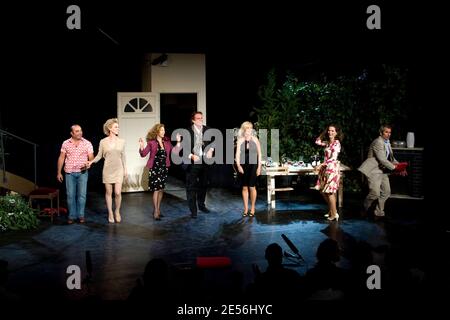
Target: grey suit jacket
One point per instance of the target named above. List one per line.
(376, 160)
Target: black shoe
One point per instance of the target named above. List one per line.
(204, 209)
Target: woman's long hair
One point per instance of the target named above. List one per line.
(151, 135)
(339, 135)
(244, 126)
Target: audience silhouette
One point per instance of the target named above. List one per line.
(154, 286)
(277, 282)
(326, 281)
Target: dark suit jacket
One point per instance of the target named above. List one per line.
(206, 143)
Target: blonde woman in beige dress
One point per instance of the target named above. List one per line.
(112, 148)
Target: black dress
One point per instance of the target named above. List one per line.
(158, 173)
(250, 152)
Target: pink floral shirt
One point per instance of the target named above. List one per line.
(76, 155)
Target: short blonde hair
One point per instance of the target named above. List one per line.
(151, 135)
(108, 124)
(244, 126)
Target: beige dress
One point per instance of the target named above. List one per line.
(114, 154)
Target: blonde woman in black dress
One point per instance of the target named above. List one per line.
(248, 163)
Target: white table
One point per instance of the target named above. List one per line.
(272, 172)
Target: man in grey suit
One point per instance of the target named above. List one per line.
(379, 163)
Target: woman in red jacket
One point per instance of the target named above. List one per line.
(158, 163)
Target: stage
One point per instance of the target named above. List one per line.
(38, 259)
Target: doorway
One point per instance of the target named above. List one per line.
(176, 110)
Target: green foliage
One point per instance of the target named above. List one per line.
(359, 104)
(16, 214)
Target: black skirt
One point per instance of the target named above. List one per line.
(248, 179)
(158, 173)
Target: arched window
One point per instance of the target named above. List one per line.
(138, 105)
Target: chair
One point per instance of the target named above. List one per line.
(45, 193)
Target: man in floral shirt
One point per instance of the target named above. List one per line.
(75, 152)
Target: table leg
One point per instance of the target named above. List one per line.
(51, 207)
(57, 201)
(272, 192)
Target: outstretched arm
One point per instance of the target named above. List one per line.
(258, 149)
(380, 154)
(319, 142)
(238, 155)
(99, 154)
(143, 151)
(61, 158)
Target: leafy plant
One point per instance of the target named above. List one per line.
(16, 214)
(359, 104)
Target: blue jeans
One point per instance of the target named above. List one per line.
(76, 185)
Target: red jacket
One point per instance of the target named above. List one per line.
(152, 148)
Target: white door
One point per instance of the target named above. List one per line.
(137, 113)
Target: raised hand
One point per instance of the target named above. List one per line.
(319, 141)
(141, 143)
(209, 154)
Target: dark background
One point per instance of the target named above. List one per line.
(54, 77)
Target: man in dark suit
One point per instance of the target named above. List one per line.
(197, 169)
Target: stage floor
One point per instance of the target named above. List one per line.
(38, 259)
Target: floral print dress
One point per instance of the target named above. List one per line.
(158, 173)
(329, 174)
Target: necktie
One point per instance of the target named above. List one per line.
(387, 144)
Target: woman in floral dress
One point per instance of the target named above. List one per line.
(329, 171)
(158, 163)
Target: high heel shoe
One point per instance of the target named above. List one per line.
(157, 217)
(118, 218)
(111, 219)
(244, 214)
(326, 215)
(336, 217)
(251, 214)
